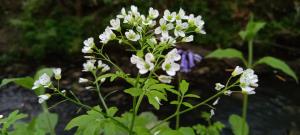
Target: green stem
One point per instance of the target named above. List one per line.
(177, 112)
(99, 92)
(250, 53)
(133, 106)
(245, 106)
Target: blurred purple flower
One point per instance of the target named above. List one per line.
(188, 60)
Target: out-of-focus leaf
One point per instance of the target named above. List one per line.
(226, 53)
(26, 82)
(237, 123)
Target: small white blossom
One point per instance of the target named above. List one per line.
(134, 10)
(89, 66)
(146, 21)
(163, 28)
(115, 24)
(248, 81)
(1, 116)
(57, 73)
(216, 101)
(83, 80)
(89, 57)
(143, 65)
(168, 40)
(181, 15)
(199, 24)
(153, 13)
(105, 68)
(44, 80)
(157, 100)
(228, 92)
(165, 79)
(237, 71)
(219, 86)
(107, 36)
(179, 28)
(190, 38)
(212, 112)
(103, 80)
(63, 91)
(173, 55)
(43, 98)
(170, 67)
(88, 45)
(131, 35)
(168, 16)
(123, 13)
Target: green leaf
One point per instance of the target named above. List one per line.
(151, 98)
(237, 123)
(192, 96)
(106, 76)
(187, 131)
(226, 53)
(26, 82)
(174, 102)
(187, 104)
(183, 86)
(134, 91)
(251, 30)
(47, 121)
(112, 111)
(10, 120)
(278, 64)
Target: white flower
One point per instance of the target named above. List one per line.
(219, 86)
(129, 19)
(88, 45)
(173, 55)
(165, 79)
(163, 28)
(181, 15)
(63, 91)
(168, 16)
(131, 35)
(179, 29)
(105, 68)
(123, 13)
(143, 65)
(228, 92)
(157, 100)
(248, 81)
(212, 112)
(146, 21)
(89, 65)
(188, 39)
(107, 36)
(134, 10)
(199, 23)
(103, 80)
(153, 13)
(44, 80)
(216, 101)
(1, 116)
(43, 98)
(57, 73)
(237, 71)
(170, 67)
(83, 80)
(115, 24)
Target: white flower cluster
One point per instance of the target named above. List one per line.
(89, 66)
(247, 81)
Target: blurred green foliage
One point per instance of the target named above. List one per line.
(57, 28)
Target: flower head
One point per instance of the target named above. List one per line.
(163, 28)
(219, 86)
(181, 15)
(107, 36)
(88, 45)
(131, 35)
(168, 16)
(248, 81)
(179, 28)
(143, 65)
(153, 13)
(115, 24)
(44, 80)
(57, 73)
(89, 66)
(237, 71)
(43, 98)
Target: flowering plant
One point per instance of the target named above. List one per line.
(152, 39)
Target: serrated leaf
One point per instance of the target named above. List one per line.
(134, 91)
(26, 82)
(187, 104)
(278, 64)
(183, 87)
(226, 53)
(236, 123)
(112, 111)
(192, 96)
